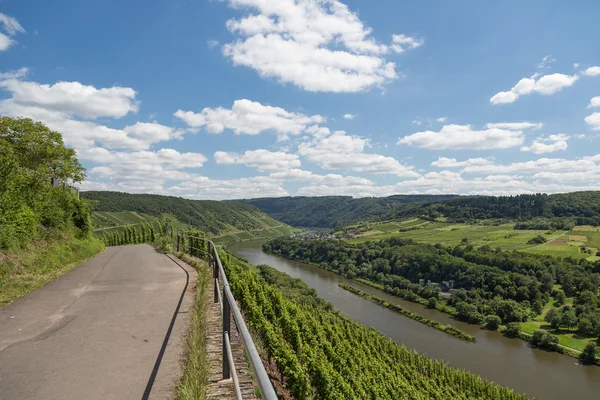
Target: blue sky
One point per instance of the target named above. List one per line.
(247, 98)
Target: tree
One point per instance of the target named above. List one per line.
(432, 302)
(568, 319)
(560, 297)
(31, 155)
(492, 322)
(512, 329)
(550, 314)
(588, 355)
(585, 327)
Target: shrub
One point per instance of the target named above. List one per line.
(492, 322)
(513, 329)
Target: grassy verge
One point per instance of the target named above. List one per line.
(417, 317)
(195, 374)
(25, 270)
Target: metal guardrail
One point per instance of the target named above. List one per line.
(201, 246)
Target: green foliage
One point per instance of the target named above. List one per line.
(538, 211)
(333, 211)
(512, 329)
(588, 355)
(537, 240)
(492, 322)
(417, 317)
(544, 340)
(213, 217)
(144, 233)
(30, 156)
(323, 355)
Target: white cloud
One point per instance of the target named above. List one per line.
(11, 26)
(212, 43)
(262, 160)
(444, 162)
(515, 126)
(592, 71)
(576, 65)
(417, 122)
(349, 116)
(318, 45)
(464, 137)
(341, 151)
(546, 61)
(594, 102)
(250, 118)
(401, 43)
(593, 120)
(73, 98)
(442, 119)
(550, 144)
(534, 166)
(546, 85)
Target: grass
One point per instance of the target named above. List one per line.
(265, 233)
(194, 381)
(567, 338)
(503, 236)
(25, 270)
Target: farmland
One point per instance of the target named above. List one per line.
(504, 236)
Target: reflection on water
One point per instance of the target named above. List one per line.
(509, 362)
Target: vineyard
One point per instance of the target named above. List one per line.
(320, 354)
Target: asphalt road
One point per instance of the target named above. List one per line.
(94, 333)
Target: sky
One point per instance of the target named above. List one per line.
(229, 99)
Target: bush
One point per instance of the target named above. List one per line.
(492, 322)
(537, 240)
(588, 355)
(512, 329)
(544, 340)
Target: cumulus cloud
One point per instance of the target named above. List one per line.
(319, 46)
(464, 137)
(535, 166)
(444, 162)
(341, 151)
(442, 119)
(67, 107)
(545, 85)
(349, 116)
(592, 71)
(593, 120)
(250, 118)
(262, 160)
(550, 144)
(594, 102)
(12, 27)
(73, 98)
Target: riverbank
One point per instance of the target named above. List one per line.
(450, 330)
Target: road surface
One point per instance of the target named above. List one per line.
(97, 331)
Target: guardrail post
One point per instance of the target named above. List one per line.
(215, 269)
(226, 330)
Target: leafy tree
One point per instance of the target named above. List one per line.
(31, 155)
(560, 297)
(512, 329)
(588, 355)
(432, 302)
(492, 322)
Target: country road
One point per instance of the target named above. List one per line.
(99, 331)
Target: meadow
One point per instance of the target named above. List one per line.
(503, 236)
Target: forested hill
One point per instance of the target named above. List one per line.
(332, 211)
(215, 217)
(584, 206)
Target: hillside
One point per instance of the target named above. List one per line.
(220, 219)
(580, 208)
(332, 211)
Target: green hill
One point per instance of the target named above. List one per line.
(225, 221)
(332, 211)
(557, 211)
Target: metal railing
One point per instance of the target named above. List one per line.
(199, 246)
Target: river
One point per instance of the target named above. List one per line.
(510, 362)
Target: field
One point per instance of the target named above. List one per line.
(265, 233)
(504, 236)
